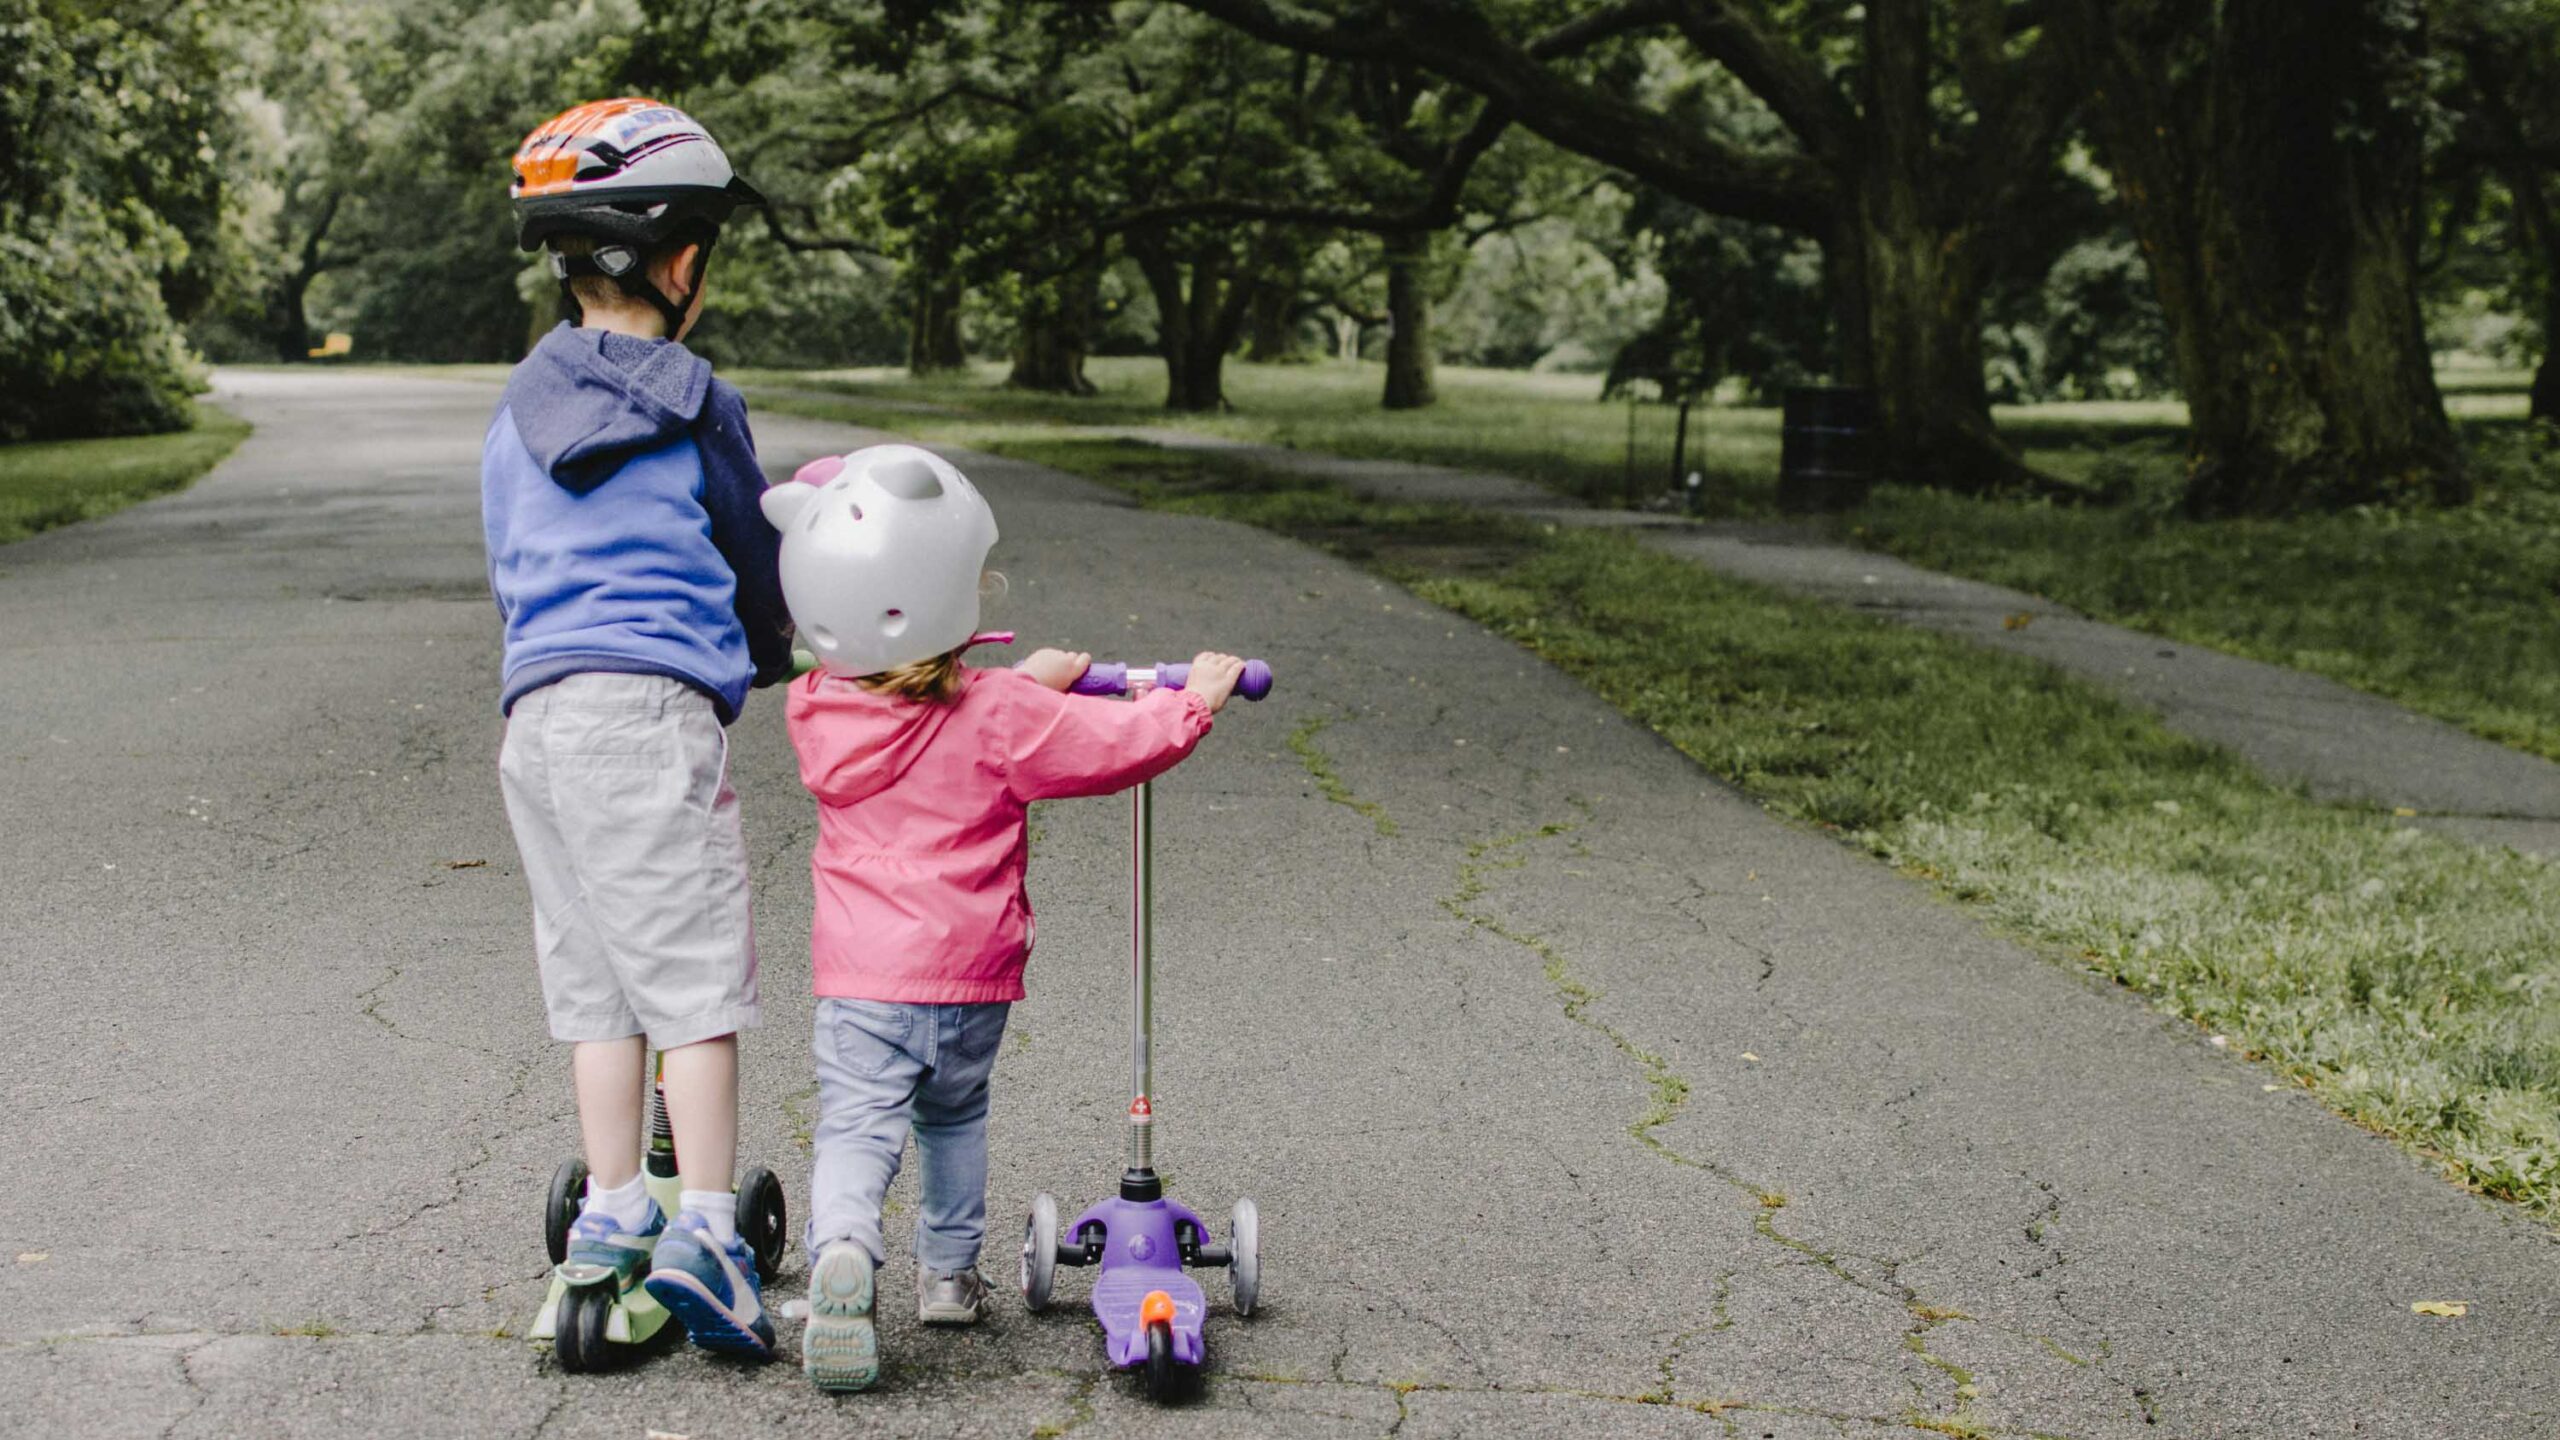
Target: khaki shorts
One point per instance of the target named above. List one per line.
(618, 789)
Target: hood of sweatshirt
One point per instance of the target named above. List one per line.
(869, 741)
(585, 401)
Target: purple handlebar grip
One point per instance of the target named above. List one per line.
(1102, 677)
(1106, 677)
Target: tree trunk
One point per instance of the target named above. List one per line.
(1916, 277)
(288, 323)
(1409, 358)
(288, 318)
(1271, 323)
(2272, 181)
(933, 326)
(1054, 336)
(2532, 201)
(1188, 332)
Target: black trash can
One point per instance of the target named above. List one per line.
(1827, 451)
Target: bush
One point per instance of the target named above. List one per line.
(87, 346)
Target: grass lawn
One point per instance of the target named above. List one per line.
(59, 482)
(2450, 613)
(2400, 975)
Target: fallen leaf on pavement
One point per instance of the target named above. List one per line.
(463, 864)
(34, 1257)
(1747, 1055)
(2019, 621)
(2449, 1309)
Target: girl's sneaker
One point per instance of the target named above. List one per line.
(950, 1297)
(839, 1349)
(711, 1289)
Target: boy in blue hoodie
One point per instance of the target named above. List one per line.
(636, 574)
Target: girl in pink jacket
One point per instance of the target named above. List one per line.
(922, 767)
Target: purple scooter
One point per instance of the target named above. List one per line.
(1150, 1310)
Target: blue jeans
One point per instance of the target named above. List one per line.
(882, 1068)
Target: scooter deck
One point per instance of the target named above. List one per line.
(1118, 1297)
(1140, 1256)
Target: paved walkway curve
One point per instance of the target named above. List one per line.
(2338, 742)
(1577, 1092)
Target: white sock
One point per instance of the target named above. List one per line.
(718, 1208)
(627, 1203)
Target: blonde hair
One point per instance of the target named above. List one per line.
(934, 681)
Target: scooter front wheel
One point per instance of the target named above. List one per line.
(1244, 1252)
(1161, 1370)
(580, 1344)
(1039, 1252)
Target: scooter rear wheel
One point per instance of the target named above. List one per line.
(1039, 1252)
(560, 1206)
(1161, 1371)
(580, 1345)
(764, 1220)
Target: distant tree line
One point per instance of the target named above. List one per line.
(2261, 208)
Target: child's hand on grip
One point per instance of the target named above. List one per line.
(1213, 678)
(1056, 669)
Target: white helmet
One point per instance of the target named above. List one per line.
(882, 550)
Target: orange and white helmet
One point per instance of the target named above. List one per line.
(631, 171)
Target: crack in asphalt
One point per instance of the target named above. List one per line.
(195, 1387)
(1321, 769)
(1669, 1091)
(1079, 1405)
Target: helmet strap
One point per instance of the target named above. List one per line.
(623, 265)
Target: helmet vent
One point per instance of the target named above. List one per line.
(893, 623)
(908, 479)
(825, 637)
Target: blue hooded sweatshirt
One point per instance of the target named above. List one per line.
(618, 492)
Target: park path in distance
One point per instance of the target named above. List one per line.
(2339, 743)
(1578, 1094)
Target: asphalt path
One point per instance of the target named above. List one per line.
(1577, 1093)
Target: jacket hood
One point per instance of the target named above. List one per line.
(871, 740)
(585, 401)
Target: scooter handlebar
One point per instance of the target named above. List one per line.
(1107, 677)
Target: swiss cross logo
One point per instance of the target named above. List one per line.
(1139, 1109)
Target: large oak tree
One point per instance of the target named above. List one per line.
(1905, 164)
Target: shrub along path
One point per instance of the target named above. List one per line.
(2340, 743)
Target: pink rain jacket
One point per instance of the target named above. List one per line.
(921, 841)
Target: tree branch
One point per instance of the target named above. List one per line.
(811, 244)
(1737, 35)
(1452, 39)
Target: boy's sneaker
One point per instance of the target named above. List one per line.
(711, 1289)
(839, 1348)
(598, 1242)
(950, 1297)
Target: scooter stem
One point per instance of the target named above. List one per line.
(1139, 1182)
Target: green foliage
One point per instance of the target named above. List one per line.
(771, 308)
(109, 204)
(1741, 301)
(86, 343)
(61, 482)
